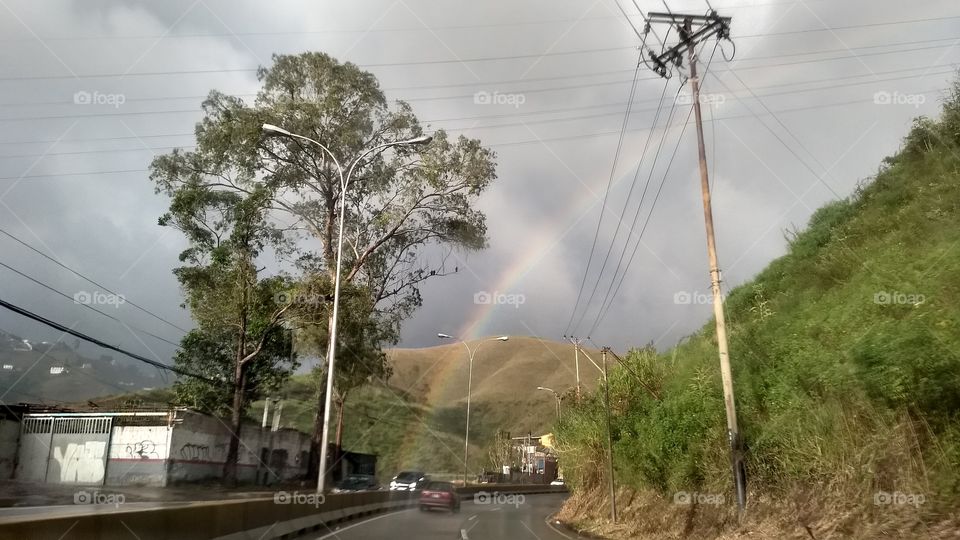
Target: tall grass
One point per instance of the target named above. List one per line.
(845, 352)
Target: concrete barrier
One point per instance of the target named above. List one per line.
(263, 518)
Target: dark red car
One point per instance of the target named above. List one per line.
(439, 495)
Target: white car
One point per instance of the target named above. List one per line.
(408, 481)
(557, 482)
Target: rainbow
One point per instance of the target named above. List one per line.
(477, 324)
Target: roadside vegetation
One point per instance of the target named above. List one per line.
(846, 359)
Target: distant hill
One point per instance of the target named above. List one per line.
(55, 373)
(506, 375)
(417, 421)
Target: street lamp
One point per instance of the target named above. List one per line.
(466, 435)
(332, 346)
(557, 395)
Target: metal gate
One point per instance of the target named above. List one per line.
(34, 451)
(64, 450)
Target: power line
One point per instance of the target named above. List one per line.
(474, 84)
(90, 280)
(663, 138)
(473, 95)
(859, 101)
(462, 60)
(88, 306)
(57, 326)
(606, 193)
(608, 297)
(927, 72)
(363, 30)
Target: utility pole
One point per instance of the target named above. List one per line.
(263, 429)
(708, 26)
(277, 411)
(606, 391)
(576, 355)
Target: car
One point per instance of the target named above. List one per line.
(557, 482)
(357, 482)
(409, 481)
(439, 495)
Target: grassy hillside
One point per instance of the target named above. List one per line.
(504, 392)
(845, 359)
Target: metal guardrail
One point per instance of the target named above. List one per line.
(264, 518)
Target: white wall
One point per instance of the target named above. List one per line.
(139, 442)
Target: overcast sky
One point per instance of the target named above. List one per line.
(73, 178)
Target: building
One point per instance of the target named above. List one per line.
(537, 457)
(146, 446)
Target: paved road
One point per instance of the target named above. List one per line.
(477, 521)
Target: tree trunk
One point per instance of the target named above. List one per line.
(236, 423)
(340, 404)
(338, 451)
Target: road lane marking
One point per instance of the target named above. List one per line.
(529, 529)
(471, 518)
(364, 522)
(463, 534)
(554, 528)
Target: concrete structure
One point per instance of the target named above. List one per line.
(285, 515)
(537, 456)
(153, 447)
(9, 438)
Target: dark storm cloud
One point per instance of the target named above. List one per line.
(546, 200)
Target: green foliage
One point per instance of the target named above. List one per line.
(215, 357)
(399, 202)
(845, 353)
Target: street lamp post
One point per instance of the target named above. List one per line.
(466, 435)
(332, 345)
(559, 398)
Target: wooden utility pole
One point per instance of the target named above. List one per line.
(576, 356)
(710, 25)
(606, 390)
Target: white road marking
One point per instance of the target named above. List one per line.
(341, 529)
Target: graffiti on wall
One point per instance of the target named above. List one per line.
(203, 452)
(195, 451)
(145, 449)
(80, 462)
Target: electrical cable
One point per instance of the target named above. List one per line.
(91, 281)
(57, 326)
(88, 306)
(606, 193)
